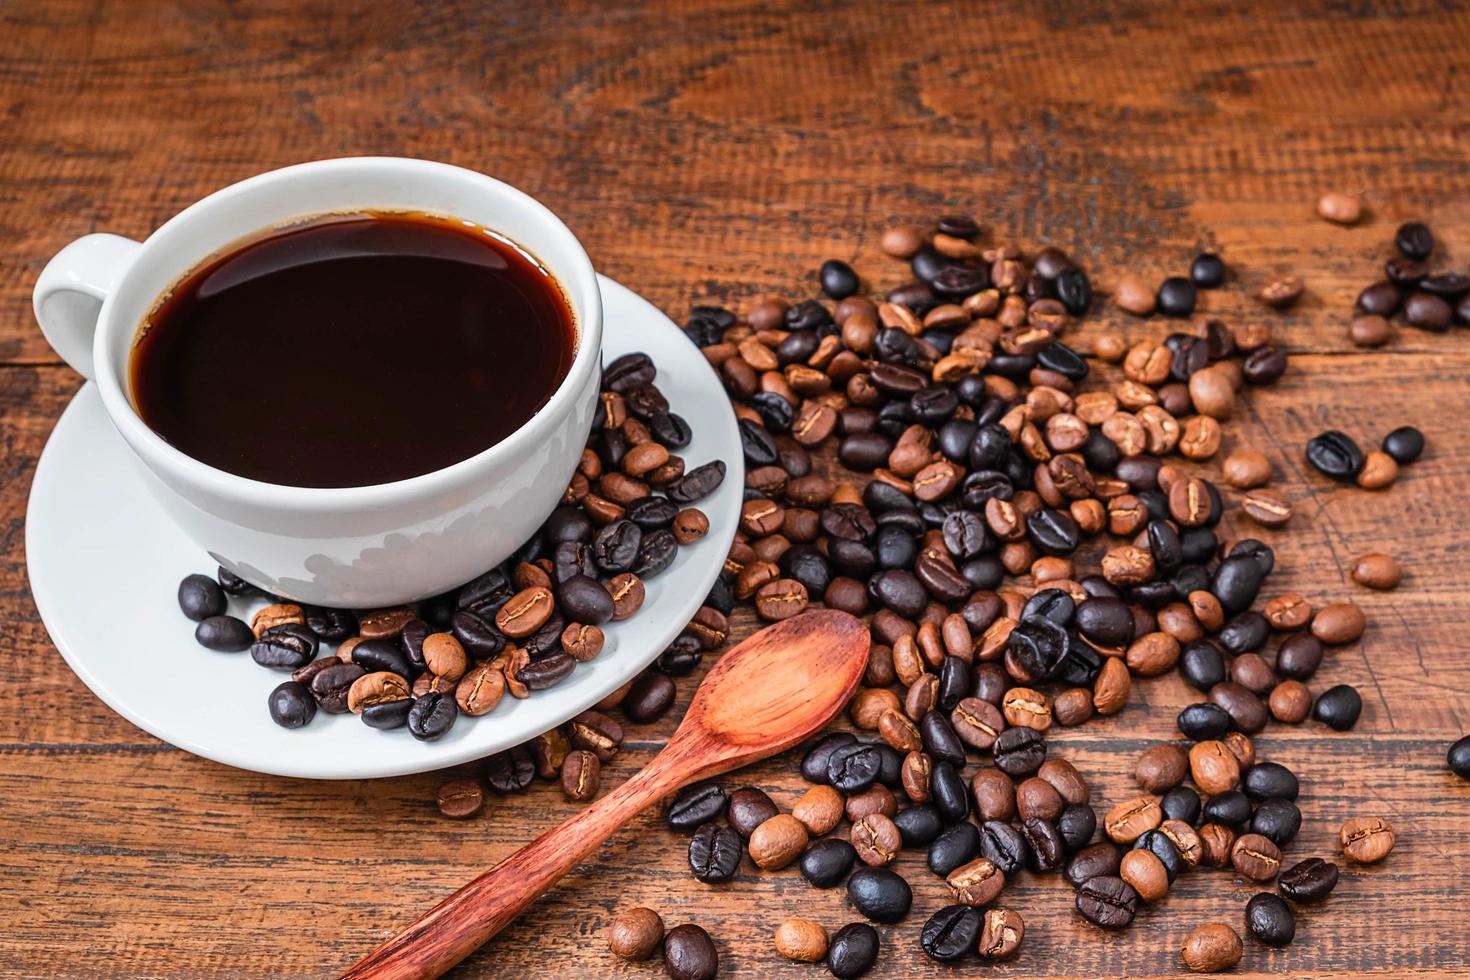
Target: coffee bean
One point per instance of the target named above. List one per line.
(1366, 840)
(1212, 947)
(1278, 820)
(285, 647)
(225, 634)
(714, 852)
(947, 790)
(1019, 751)
(951, 933)
(1176, 297)
(1255, 857)
(780, 599)
(1161, 768)
(1308, 881)
(1145, 872)
(1338, 707)
(777, 842)
(1336, 455)
(1096, 860)
(1458, 757)
(696, 804)
(460, 799)
(1270, 920)
(1376, 570)
(1129, 820)
(581, 775)
(853, 950)
(689, 954)
(1180, 804)
(635, 933)
(826, 862)
(875, 838)
(1207, 271)
(879, 894)
(200, 597)
(1290, 702)
(748, 808)
(1299, 656)
(291, 705)
(1404, 444)
(1370, 331)
(1247, 712)
(1107, 902)
(1045, 847)
(430, 717)
(1202, 666)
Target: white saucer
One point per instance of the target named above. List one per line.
(105, 565)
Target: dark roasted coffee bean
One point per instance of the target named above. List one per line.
(1002, 844)
(1053, 532)
(511, 771)
(695, 805)
(919, 825)
(714, 853)
(291, 705)
(1458, 757)
(334, 625)
(225, 634)
(940, 739)
(649, 698)
(1335, 454)
(331, 685)
(852, 768)
(1269, 781)
(1202, 666)
(837, 279)
(826, 862)
(948, 791)
(386, 715)
(290, 646)
(1414, 240)
(690, 954)
(656, 553)
(959, 844)
(431, 716)
(615, 548)
(1019, 751)
(651, 513)
(1248, 713)
(1232, 808)
(233, 584)
(879, 894)
(954, 683)
(200, 597)
(1081, 666)
(681, 657)
(853, 950)
(632, 370)
(1245, 631)
(670, 430)
(1337, 707)
(1405, 444)
(1181, 803)
(748, 808)
(547, 672)
(1074, 289)
(1203, 721)
(698, 483)
(1095, 860)
(1382, 298)
(1176, 297)
(1299, 656)
(1207, 271)
(1038, 647)
(1107, 902)
(814, 764)
(807, 315)
(941, 580)
(1264, 366)
(1278, 820)
(585, 600)
(1309, 881)
(1108, 622)
(1270, 920)
(951, 933)
(1077, 824)
(899, 591)
(1045, 849)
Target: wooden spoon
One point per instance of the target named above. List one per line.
(764, 696)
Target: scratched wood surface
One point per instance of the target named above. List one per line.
(721, 150)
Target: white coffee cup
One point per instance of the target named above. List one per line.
(360, 546)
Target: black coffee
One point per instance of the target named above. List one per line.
(353, 350)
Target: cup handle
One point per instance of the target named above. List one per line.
(69, 294)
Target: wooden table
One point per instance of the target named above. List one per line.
(719, 151)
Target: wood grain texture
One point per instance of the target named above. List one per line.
(721, 149)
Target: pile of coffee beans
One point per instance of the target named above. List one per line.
(520, 627)
(983, 448)
(1424, 298)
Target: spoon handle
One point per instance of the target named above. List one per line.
(463, 922)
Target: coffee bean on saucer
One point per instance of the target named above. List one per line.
(291, 705)
(200, 597)
(225, 634)
(233, 584)
(285, 647)
(432, 716)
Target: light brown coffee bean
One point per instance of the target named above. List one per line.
(1211, 393)
(1073, 706)
(1152, 654)
(1110, 689)
(1135, 296)
(1207, 610)
(1341, 209)
(1039, 799)
(583, 642)
(280, 614)
(1370, 331)
(1339, 623)
(867, 707)
(1287, 612)
(819, 809)
(380, 623)
(596, 732)
(1281, 292)
(1376, 570)
(1001, 934)
(1201, 437)
(901, 241)
(778, 841)
(1266, 507)
(581, 775)
(1145, 872)
(1290, 702)
(897, 730)
(1379, 470)
(635, 933)
(780, 599)
(914, 774)
(626, 590)
(1127, 565)
(1366, 840)
(1161, 768)
(525, 612)
(379, 687)
(801, 940)
(1216, 840)
(1246, 469)
(1256, 857)
(1251, 672)
(460, 799)
(1026, 708)
(1131, 819)
(976, 883)
(1066, 780)
(480, 689)
(1212, 947)
(444, 657)
(1213, 767)
(876, 839)
(690, 524)
(1185, 840)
